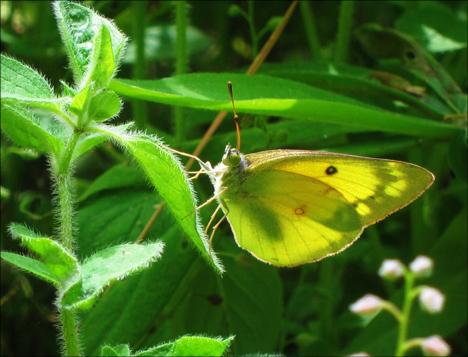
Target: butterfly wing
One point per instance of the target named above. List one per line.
(297, 206)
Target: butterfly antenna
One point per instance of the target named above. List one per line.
(236, 117)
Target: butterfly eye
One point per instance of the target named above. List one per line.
(232, 159)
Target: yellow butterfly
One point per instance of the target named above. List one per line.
(290, 207)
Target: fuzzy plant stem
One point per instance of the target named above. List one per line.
(65, 193)
(70, 333)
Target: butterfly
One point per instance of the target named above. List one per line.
(290, 207)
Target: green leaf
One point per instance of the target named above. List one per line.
(24, 130)
(32, 266)
(190, 346)
(79, 102)
(102, 66)
(276, 97)
(435, 26)
(79, 27)
(166, 174)
(109, 351)
(358, 83)
(57, 259)
(22, 84)
(120, 350)
(109, 265)
(104, 105)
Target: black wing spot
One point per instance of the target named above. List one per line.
(331, 170)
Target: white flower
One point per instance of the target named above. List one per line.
(359, 354)
(435, 346)
(367, 307)
(431, 300)
(422, 266)
(391, 269)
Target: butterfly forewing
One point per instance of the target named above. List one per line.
(289, 207)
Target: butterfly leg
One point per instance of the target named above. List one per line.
(208, 227)
(197, 173)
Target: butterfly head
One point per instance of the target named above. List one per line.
(232, 157)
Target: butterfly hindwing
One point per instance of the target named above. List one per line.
(291, 219)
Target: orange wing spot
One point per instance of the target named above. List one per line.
(300, 210)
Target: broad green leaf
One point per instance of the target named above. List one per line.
(358, 83)
(32, 266)
(166, 174)
(106, 266)
(79, 27)
(57, 259)
(23, 129)
(22, 84)
(276, 97)
(190, 346)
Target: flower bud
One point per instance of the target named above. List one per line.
(359, 354)
(431, 300)
(367, 307)
(391, 269)
(435, 346)
(422, 266)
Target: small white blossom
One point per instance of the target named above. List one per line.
(391, 269)
(422, 266)
(431, 300)
(435, 346)
(367, 307)
(359, 354)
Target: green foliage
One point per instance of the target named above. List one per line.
(401, 95)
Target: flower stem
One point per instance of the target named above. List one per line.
(403, 328)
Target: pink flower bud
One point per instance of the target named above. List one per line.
(422, 266)
(367, 307)
(435, 346)
(431, 300)
(391, 269)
